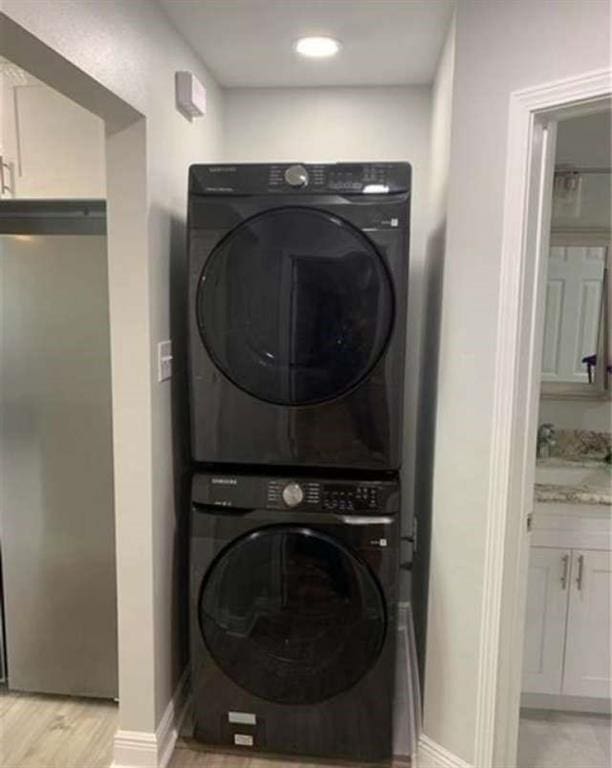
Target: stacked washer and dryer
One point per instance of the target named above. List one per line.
(297, 311)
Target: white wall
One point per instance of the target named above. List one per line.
(130, 51)
(500, 47)
(347, 124)
(585, 142)
(441, 121)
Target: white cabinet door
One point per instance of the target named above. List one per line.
(58, 146)
(573, 302)
(588, 652)
(548, 585)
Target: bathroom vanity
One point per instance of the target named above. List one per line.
(567, 660)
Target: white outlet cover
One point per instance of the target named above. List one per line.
(164, 360)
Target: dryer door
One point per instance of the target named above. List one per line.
(291, 615)
(295, 306)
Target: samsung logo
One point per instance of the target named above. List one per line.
(224, 480)
(222, 169)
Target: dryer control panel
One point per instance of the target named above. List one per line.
(300, 178)
(297, 493)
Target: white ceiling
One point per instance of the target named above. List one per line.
(249, 42)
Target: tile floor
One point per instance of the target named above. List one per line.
(549, 739)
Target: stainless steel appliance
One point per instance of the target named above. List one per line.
(56, 489)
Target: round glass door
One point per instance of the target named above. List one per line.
(295, 306)
(292, 616)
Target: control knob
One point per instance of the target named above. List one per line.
(296, 176)
(293, 494)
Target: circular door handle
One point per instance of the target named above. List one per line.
(293, 494)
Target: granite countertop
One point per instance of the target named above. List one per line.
(574, 481)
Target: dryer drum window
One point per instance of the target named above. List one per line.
(295, 306)
(291, 615)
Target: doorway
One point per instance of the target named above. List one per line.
(57, 531)
(567, 672)
(124, 146)
(532, 121)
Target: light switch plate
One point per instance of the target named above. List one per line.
(164, 360)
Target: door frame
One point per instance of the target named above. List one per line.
(533, 113)
(131, 363)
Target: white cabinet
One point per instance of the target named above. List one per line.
(52, 147)
(567, 637)
(588, 653)
(545, 619)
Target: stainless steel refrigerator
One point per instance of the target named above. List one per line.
(56, 472)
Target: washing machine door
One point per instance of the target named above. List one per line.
(291, 615)
(295, 306)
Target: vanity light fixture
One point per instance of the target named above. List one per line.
(317, 47)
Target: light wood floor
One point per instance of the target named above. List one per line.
(185, 757)
(55, 732)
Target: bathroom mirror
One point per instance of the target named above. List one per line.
(576, 354)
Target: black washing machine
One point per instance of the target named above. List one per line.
(297, 311)
(292, 613)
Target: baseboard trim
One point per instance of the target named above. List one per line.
(407, 705)
(170, 725)
(143, 749)
(566, 703)
(430, 754)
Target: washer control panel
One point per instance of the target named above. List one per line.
(226, 491)
(327, 496)
(351, 498)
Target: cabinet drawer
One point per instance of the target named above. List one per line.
(578, 526)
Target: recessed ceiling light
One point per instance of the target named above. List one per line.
(317, 47)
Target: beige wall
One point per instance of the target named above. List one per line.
(500, 47)
(348, 124)
(130, 51)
